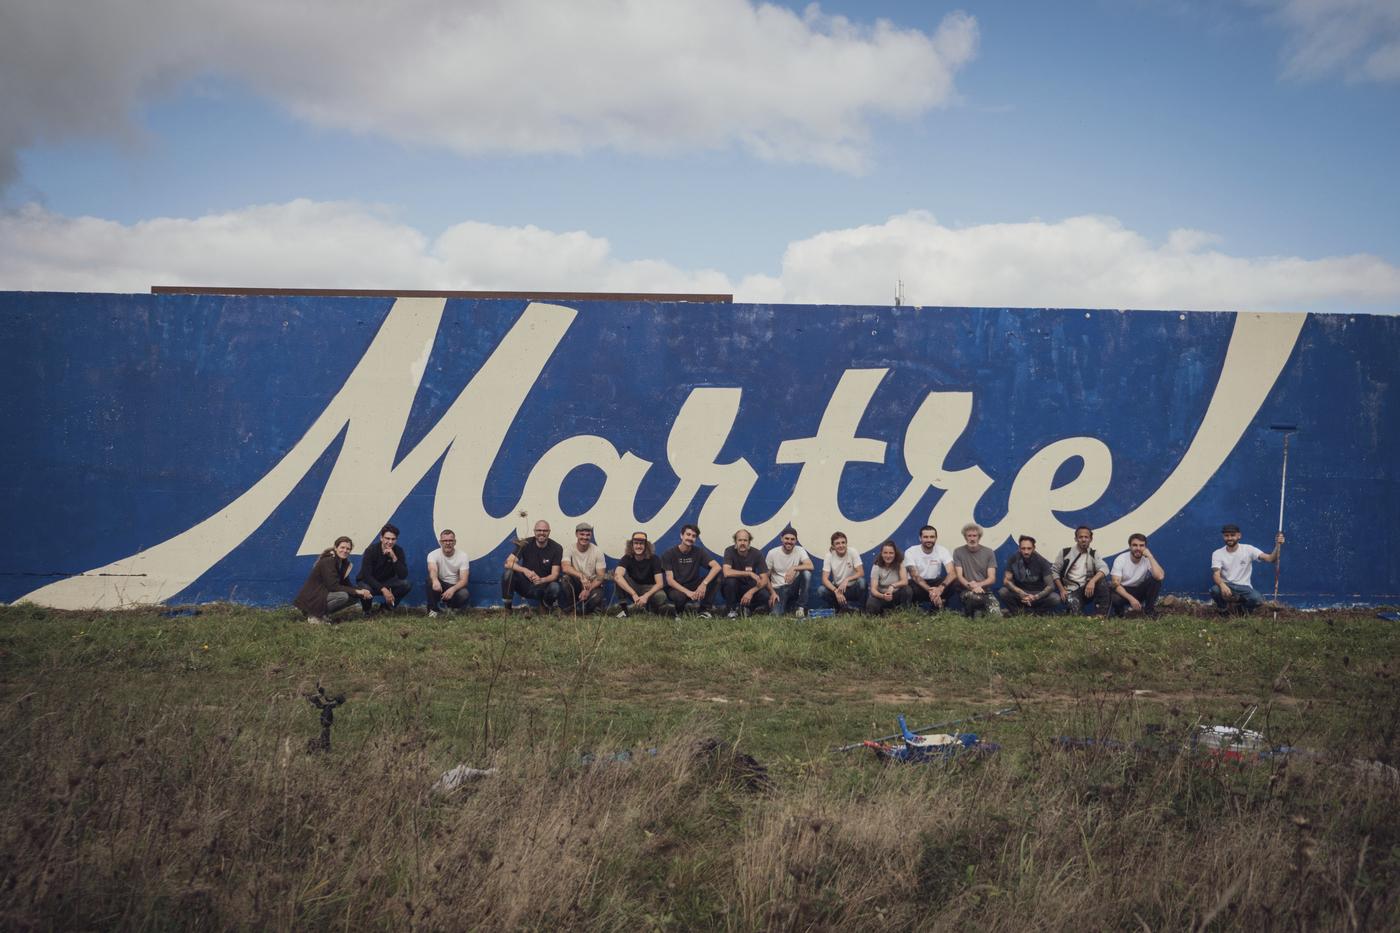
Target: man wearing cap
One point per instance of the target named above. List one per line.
(585, 572)
(789, 575)
(638, 580)
(1232, 569)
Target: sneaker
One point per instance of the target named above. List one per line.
(316, 620)
(733, 614)
(498, 608)
(621, 614)
(432, 613)
(994, 609)
(705, 615)
(800, 613)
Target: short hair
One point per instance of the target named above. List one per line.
(898, 554)
(927, 528)
(391, 529)
(1137, 536)
(837, 534)
(689, 527)
(1083, 528)
(447, 531)
(1230, 529)
(742, 531)
(789, 530)
(971, 526)
(1026, 538)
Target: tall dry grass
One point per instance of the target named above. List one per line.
(168, 813)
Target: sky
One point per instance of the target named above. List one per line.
(1181, 154)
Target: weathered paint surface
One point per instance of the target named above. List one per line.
(194, 448)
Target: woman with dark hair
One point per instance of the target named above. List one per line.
(327, 590)
(889, 581)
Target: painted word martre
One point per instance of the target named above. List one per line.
(366, 485)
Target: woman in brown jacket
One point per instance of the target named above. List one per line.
(327, 590)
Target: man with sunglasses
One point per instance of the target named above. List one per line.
(638, 579)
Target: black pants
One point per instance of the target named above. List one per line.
(682, 603)
(515, 583)
(399, 588)
(877, 606)
(570, 589)
(459, 600)
(1050, 602)
(1145, 593)
(657, 603)
(734, 589)
(1075, 599)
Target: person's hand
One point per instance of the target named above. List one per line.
(1133, 604)
(1225, 590)
(1088, 591)
(887, 595)
(747, 598)
(1027, 599)
(365, 594)
(772, 600)
(437, 587)
(1279, 538)
(840, 598)
(700, 592)
(388, 596)
(936, 596)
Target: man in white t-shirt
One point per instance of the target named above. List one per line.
(789, 573)
(447, 575)
(1136, 578)
(843, 577)
(585, 571)
(928, 565)
(1232, 568)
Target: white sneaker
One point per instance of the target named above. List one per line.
(432, 613)
(494, 608)
(622, 614)
(732, 615)
(316, 620)
(801, 613)
(706, 615)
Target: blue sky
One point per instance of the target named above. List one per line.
(1105, 153)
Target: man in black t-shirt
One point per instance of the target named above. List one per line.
(639, 580)
(532, 570)
(745, 576)
(1029, 582)
(383, 570)
(689, 572)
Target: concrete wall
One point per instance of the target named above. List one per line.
(194, 448)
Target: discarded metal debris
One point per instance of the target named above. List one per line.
(326, 704)
(926, 748)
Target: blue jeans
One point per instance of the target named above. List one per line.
(855, 596)
(793, 595)
(1248, 597)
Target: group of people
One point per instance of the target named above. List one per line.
(688, 579)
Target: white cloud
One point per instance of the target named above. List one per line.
(482, 76)
(1359, 39)
(1079, 262)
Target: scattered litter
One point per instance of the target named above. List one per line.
(1389, 616)
(820, 613)
(180, 612)
(919, 749)
(456, 777)
(937, 725)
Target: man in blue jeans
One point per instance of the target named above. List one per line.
(789, 575)
(1231, 569)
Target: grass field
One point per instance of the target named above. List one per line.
(157, 773)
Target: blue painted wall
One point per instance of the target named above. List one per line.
(133, 418)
